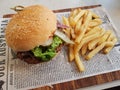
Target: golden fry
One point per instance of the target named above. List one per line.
(84, 49)
(95, 22)
(88, 29)
(111, 37)
(67, 30)
(78, 26)
(94, 15)
(98, 20)
(79, 15)
(86, 40)
(107, 49)
(92, 31)
(84, 28)
(72, 22)
(104, 37)
(72, 33)
(71, 53)
(66, 21)
(79, 63)
(94, 51)
(79, 9)
(92, 44)
(73, 13)
(85, 15)
(109, 44)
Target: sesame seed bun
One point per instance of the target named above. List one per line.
(30, 28)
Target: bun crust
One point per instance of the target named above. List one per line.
(30, 28)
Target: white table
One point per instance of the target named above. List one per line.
(112, 7)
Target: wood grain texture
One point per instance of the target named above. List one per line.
(85, 82)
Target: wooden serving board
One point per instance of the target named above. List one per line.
(85, 82)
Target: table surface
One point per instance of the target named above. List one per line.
(112, 6)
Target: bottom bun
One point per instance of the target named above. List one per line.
(29, 58)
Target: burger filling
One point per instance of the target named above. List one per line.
(42, 53)
(47, 53)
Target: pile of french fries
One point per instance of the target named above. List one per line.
(88, 36)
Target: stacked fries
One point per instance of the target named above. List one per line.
(88, 36)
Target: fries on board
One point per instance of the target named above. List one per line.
(88, 36)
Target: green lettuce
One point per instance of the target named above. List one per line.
(47, 53)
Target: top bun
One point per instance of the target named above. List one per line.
(30, 28)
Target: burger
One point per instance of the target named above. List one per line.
(33, 34)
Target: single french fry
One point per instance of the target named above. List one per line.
(84, 28)
(84, 49)
(73, 13)
(92, 31)
(66, 21)
(88, 29)
(72, 33)
(111, 37)
(78, 26)
(79, 9)
(86, 40)
(72, 22)
(90, 37)
(108, 49)
(104, 37)
(98, 20)
(92, 44)
(109, 44)
(71, 53)
(94, 51)
(79, 63)
(78, 47)
(95, 22)
(67, 30)
(79, 15)
(85, 15)
(94, 15)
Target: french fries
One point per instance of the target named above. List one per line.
(86, 40)
(94, 15)
(66, 21)
(94, 51)
(79, 62)
(78, 26)
(79, 15)
(72, 22)
(88, 36)
(71, 53)
(84, 28)
(72, 33)
(107, 50)
(95, 22)
(74, 12)
(105, 36)
(92, 31)
(84, 50)
(93, 43)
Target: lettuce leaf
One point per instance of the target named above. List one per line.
(47, 53)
